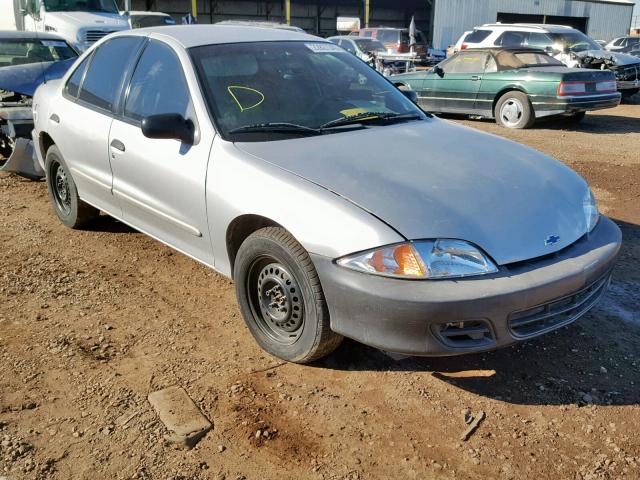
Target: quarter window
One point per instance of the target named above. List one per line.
(477, 36)
(158, 84)
(105, 73)
(73, 85)
(348, 46)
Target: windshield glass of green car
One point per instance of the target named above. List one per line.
(304, 83)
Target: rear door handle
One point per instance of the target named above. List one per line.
(475, 78)
(117, 144)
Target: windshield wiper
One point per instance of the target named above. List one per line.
(366, 116)
(277, 127)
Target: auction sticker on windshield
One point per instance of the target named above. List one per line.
(324, 48)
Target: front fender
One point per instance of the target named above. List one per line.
(323, 222)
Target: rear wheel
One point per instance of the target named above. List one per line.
(281, 298)
(72, 212)
(577, 117)
(514, 110)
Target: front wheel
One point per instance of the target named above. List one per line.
(281, 298)
(514, 110)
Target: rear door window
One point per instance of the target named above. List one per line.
(512, 39)
(103, 80)
(157, 85)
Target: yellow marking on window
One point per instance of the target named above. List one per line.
(231, 88)
(354, 111)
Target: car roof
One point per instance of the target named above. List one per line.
(11, 34)
(496, 50)
(197, 35)
(529, 27)
(142, 12)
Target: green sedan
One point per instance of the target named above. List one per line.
(514, 86)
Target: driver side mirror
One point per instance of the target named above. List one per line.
(411, 95)
(168, 126)
(438, 71)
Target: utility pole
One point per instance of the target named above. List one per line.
(194, 9)
(366, 13)
(287, 11)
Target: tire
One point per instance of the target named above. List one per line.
(577, 117)
(514, 110)
(72, 212)
(281, 298)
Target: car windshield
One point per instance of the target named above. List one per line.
(106, 6)
(299, 86)
(369, 45)
(22, 52)
(574, 42)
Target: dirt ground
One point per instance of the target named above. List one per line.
(92, 321)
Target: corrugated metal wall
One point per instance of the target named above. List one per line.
(453, 17)
(317, 17)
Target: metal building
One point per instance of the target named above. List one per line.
(315, 16)
(442, 21)
(600, 19)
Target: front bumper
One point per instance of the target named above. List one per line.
(521, 301)
(574, 104)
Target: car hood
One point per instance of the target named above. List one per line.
(432, 179)
(617, 57)
(24, 79)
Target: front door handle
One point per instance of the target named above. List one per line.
(475, 78)
(117, 144)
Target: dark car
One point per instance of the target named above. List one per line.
(514, 86)
(396, 40)
(623, 44)
(27, 59)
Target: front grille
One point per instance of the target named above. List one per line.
(92, 36)
(473, 333)
(559, 312)
(629, 73)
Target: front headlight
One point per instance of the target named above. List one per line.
(590, 207)
(425, 259)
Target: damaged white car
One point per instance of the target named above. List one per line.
(26, 61)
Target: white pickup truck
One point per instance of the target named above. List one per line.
(80, 22)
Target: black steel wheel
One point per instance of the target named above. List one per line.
(71, 211)
(276, 300)
(60, 187)
(281, 298)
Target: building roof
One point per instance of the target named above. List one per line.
(197, 35)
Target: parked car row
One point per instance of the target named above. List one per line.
(570, 46)
(515, 86)
(337, 206)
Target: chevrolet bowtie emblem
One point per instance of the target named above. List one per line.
(551, 240)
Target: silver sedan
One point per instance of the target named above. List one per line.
(337, 206)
